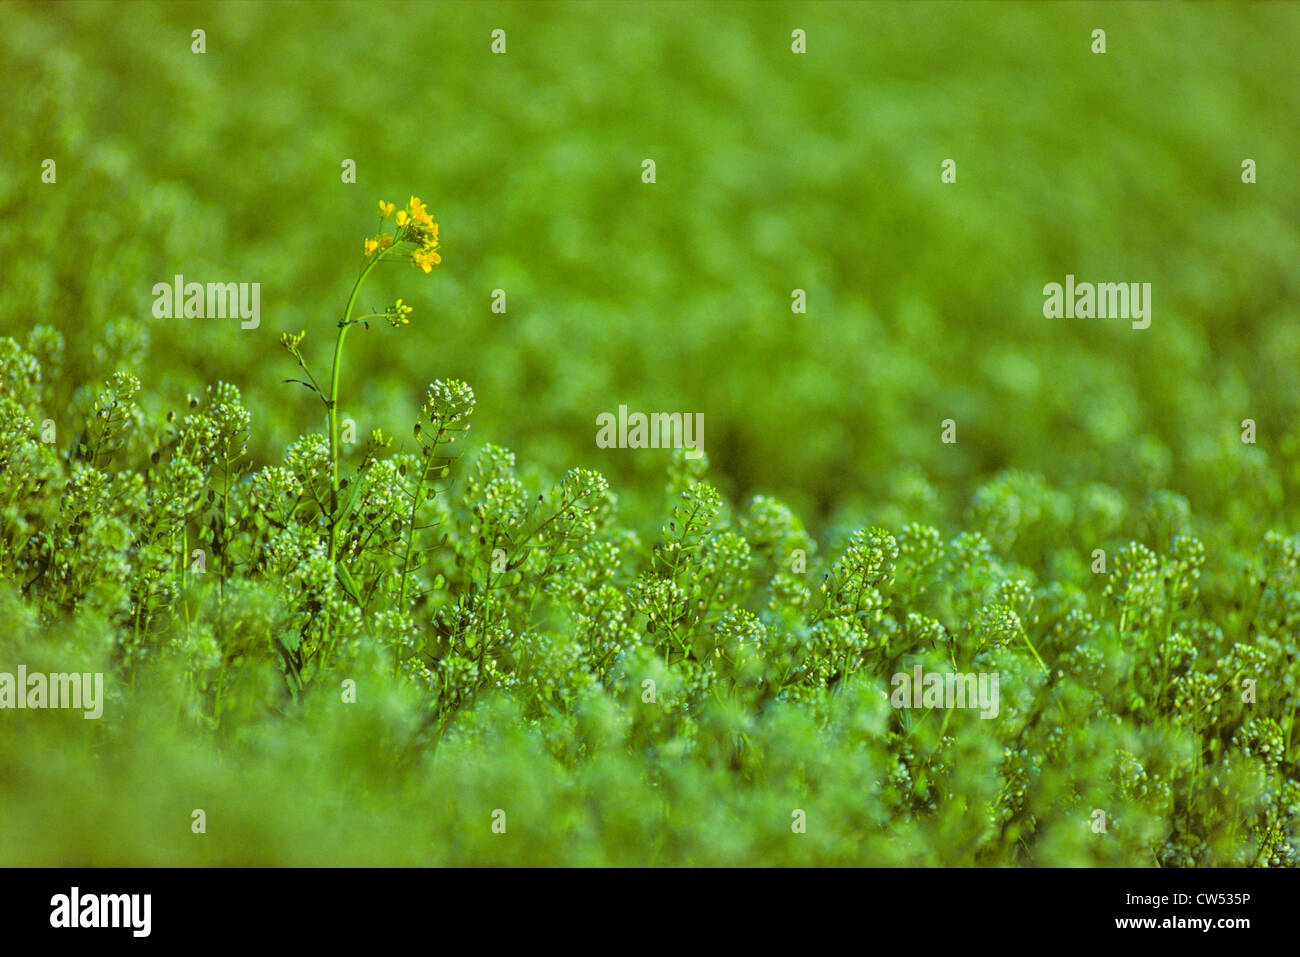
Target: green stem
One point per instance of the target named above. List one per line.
(333, 406)
(406, 558)
(185, 559)
(1025, 636)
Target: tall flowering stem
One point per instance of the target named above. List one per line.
(332, 403)
(414, 239)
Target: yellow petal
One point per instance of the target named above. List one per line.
(419, 212)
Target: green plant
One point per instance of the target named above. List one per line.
(489, 649)
(416, 241)
(735, 654)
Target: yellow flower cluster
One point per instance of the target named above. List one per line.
(414, 225)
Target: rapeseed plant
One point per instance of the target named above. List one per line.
(416, 240)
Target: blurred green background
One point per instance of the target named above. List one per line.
(776, 171)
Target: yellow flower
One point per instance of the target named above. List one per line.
(419, 213)
(371, 245)
(386, 240)
(386, 209)
(402, 217)
(426, 259)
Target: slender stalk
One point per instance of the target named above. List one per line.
(185, 559)
(410, 538)
(332, 404)
(410, 541)
(1025, 636)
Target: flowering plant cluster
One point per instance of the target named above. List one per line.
(632, 693)
(415, 226)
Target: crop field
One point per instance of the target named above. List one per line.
(649, 434)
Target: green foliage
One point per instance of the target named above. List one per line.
(644, 659)
(671, 703)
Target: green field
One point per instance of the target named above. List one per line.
(640, 657)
